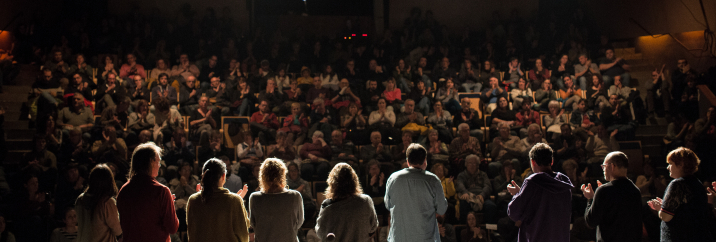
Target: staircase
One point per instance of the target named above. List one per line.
(18, 135)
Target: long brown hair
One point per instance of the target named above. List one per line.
(100, 188)
(214, 169)
(272, 174)
(342, 182)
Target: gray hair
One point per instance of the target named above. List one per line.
(471, 158)
(463, 126)
(317, 134)
(553, 103)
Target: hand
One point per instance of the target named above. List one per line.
(476, 232)
(587, 191)
(584, 173)
(465, 196)
(711, 193)
(80, 183)
(513, 188)
(193, 92)
(300, 188)
(379, 148)
(382, 178)
(373, 180)
(655, 204)
(183, 181)
(614, 133)
(442, 230)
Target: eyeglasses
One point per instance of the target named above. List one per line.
(604, 166)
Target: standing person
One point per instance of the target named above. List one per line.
(215, 213)
(346, 212)
(615, 207)
(96, 208)
(145, 205)
(413, 196)
(684, 211)
(276, 212)
(543, 210)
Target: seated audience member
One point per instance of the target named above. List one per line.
(392, 95)
(272, 95)
(441, 120)
(526, 117)
(591, 150)
(538, 75)
(520, 92)
(346, 213)
(534, 136)
(650, 184)
(80, 66)
(96, 207)
(448, 183)
(166, 120)
(76, 115)
(421, 98)
(471, 117)
(409, 119)
(79, 84)
(584, 70)
(138, 90)
(597, 95)
(188, 95)
(315, 157)
(443, 70)
(355, 125)
(217, 89)
(132, 68)
(40, 156)
(505, 147)
(116, 116)
(233, 183)
(376, 150)
(374, 182)
(264, 123)
(249, 153)
(46, 86)
(296, 124)
(213, 147)
(473, 232)
(209, 70)
(508, 173)
(655, 88)
(553, 122)
(448, 97)
(402, 75)
(179, 149)
(109, 67)
(618, 117)
(201, 121)
(545, 95)
(474, 190)
(141, 119)
(344, 98)
(58, 65)
(583, 119)
(383, 120)
(609, 139)
(679, 77)
(677, 131)
(184, 68)
(515, 73)
(437, 150)
(564, 68)
(318, 91)
(622, 92)
(491, 94)
(111, 148)
(293, 95)
(487, 72)
(160, 68)
(284, 148)
(52, 134)
(206, 216)
(305, 81)
(32, 209)
(564, 146)
(469, 77)
(283, 81)
(295, 182)
(570, 94)
(502, 115)
(237, 101)
(184, 185)
(110, 93)
(612, 66)
(164, 90)
(399, 151)
(343, 150)
(75, 150)
(321, 118)
(370, 96)
(461, 147)
(275, 201)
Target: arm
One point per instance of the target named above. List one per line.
(170, 220)
(487, 189)
(112, 217)
(390, 116)
(594, 214)
(441, 203)
(603, 67)
(240, 221)
(519, 207)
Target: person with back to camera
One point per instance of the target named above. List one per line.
(145, 206)
(96, 208)
(542, 206)
(413, 196)
(615, 207)
(276, 213)
(346, 212)
(215, 213)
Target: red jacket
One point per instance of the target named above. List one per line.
(526, 121)
(288, 121)
(271, 121)
(146, 210)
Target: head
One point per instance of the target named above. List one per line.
(47, 74)
(527, 104)
(583, 59)
(609, 53)
(596, 80)
(682, 162)
(566, 130)
(538, 63)
(336, 137)
(522, 84)
(213, 175)
(417, 156)
(438, 107)
(272, 175)
(423, 62)
(184, 59)
(449, 83)
(293, 171)
(100, 185)
(502, 102)
(319, 104)
(381, 104)
(70, 219)
(618, 81)
(463, 130)
(487, 65)
(615, 165)
(504, 131)
(344, 83)
(494, 81)
(161, 64)
(77, 78)
(295, 108)
(317, 137)
(375, 137)
(465, 104)
(111, 79)
(445, 62)
(131, 59)
(163, 79)
(553, 107)
(547, 85)
(215, 82)
(568, 81)
(439, 170)
(407, 136)
(409, 106)
(372, 84)
(342, 182)
(433, 135)
(541, 157)
(390, 85)
(145, 136)
(145, 160)
(203, 102)
(613, 99)
(213, 60)
(681, 63)
(40, 142)
(317, 82)
(471, 219)
(57, 56)
(471, 163)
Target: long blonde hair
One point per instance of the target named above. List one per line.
(272, 174)
(342, 182)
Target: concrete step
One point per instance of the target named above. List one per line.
(19, 133)
(16, 124)
(20, 144)
(650, 139)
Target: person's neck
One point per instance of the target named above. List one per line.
(545, 169)
(275, 190)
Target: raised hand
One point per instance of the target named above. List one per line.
(655, 204)
(513, 188)
(243, 191)
(587, 191)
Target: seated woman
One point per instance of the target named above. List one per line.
(296, 124)
(184, 185)
(545, 95)
(570, 94)
(526, 116)
(538, 75)
(421, 96)
(597, 96)
(283, 149)
(354, 125)
(448, 96)
(346, 212)
(437, 150)
(403, 75)
(554, 120)
(521, 92)
(295, 182)
(206, 210)
(442, 122)
(503, 115)
(473, 232)
(383, 120)
(440, 171)
(392, 95)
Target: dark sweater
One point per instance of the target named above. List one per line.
(616, 211)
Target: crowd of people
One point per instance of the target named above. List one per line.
(478, 103)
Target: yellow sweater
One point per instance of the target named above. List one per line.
(448, 187)
(221, 218)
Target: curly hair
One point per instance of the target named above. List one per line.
(342, 182)
(686, 158)
(272, 174)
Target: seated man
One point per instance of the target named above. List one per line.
(376, 150)
(138, 90)
(591, 151)
(58, 66)
(370, 96)
(264, 123)
(409, 116)
(571, 94)
(584, 70)
(273, 97)
(618, 117)
(315, 157)
(318, 91)
(110, 93)
(343, 150)
(620, 90)
(189, 95)
(164, 90)
(544, 95)
(117, 116)
(474, 190)
(249, 153)
(46, 87)
(583, 119)
(612, 66)
(472, 118)
(322, 119)
(461, 147)
(75, 150)
(201, 122)
(534, 136)
(345, 97)
(492, 93)
(80, 84)
(184, 68)
(110, 148)
(76, 115)
(564, 146)
(505, 147)
(131, 68)
(178, 150)
(526, 117)
(166, 120)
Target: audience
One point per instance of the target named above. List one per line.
(315, 157)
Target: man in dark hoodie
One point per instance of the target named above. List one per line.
(542, 207)
(189, 96)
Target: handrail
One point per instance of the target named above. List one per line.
(706, 92)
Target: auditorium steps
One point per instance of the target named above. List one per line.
(18, 134)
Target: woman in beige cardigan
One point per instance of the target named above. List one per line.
(214, 213)
(97, 215)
